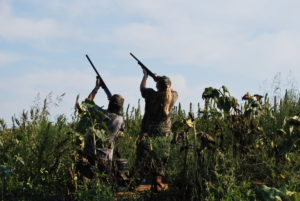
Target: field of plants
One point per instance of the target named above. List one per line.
(223, 150)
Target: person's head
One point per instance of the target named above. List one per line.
(163, 83)
(115, 104)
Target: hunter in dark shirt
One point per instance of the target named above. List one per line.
(154, 143)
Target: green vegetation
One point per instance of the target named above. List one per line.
(224, 151)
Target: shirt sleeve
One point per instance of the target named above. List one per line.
(147, 92)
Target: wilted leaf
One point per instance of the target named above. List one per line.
(247, 96)
(210, 93)
(206, 138)
(258, 97)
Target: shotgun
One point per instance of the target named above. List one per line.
(153, 75)
(103, 85)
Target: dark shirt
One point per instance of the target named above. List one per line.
(155, 122)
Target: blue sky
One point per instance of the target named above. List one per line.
(239, 44)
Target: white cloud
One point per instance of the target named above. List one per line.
(251, 37)
(14, 28)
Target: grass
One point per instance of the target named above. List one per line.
(227, 151)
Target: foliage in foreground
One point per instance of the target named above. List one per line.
(223, 151)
